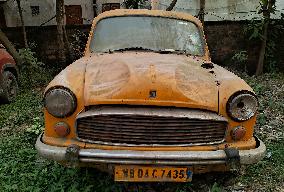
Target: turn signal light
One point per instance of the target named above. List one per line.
(62, 129)
(238, 133)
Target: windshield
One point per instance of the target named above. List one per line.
(148, 33)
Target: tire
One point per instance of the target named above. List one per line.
(10, 86)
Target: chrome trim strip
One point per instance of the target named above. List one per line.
(150, 157)
(146, 145)
(153, 111)
(147, 162)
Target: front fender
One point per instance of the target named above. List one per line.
(72, 78)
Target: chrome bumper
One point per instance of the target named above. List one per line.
(98, 156)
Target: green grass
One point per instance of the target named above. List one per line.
(22, 170)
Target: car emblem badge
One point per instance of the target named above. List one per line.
(153, 94)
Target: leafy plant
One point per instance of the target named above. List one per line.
(37, 126)
(78, 43)
(215, 188)
(254, 31)
(135, 4)
(32, 71)
(240, 59)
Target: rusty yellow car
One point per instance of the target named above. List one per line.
(146, 103)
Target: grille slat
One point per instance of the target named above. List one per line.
(153, 126)
(151, 129)
(156, 135)
(176, 138)
(148, 141)
(131, 122)
(166, 133)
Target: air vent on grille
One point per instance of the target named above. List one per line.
(145, 126)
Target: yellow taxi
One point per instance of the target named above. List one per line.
(146, 103)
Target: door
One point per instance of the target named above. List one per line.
(2, 18)
(73, 15)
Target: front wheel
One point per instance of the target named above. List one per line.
(10, 86)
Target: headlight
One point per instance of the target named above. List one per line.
(60, 102)
(242, 106)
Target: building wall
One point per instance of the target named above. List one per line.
(87, 9)
(220, 10)
(47, 10)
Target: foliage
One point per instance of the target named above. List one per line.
(215, 188)
(254, 31)
(135, 4)
(22, 111)
(78, 43)
(32, 71)
(240, 60)
(36, 128)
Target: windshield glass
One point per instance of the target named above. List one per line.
(149, 33)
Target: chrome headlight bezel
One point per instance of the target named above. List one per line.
(242, 106)
(63, 107)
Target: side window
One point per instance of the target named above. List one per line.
(35, 10)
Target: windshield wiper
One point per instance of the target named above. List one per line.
(169, 51)
(162, 51)
(132, 49)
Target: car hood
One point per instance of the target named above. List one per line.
(146, 78)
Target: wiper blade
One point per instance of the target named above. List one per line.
(132, 49)
(168, 51)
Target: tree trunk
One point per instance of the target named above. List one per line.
(259, 69)
(22, 23)
(10, 47)
(67, 45)
(172, 5)
(60, 31)
(202, 11)
(267, 8)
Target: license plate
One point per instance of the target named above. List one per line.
(152, 174)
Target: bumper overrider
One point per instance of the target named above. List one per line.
(78, 157)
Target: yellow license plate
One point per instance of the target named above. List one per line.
(152, 174)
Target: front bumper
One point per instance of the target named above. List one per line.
(83, 157)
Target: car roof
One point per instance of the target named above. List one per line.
(146, 12)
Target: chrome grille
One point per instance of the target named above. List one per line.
(150, 126)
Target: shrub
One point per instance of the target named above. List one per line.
(33, 73)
